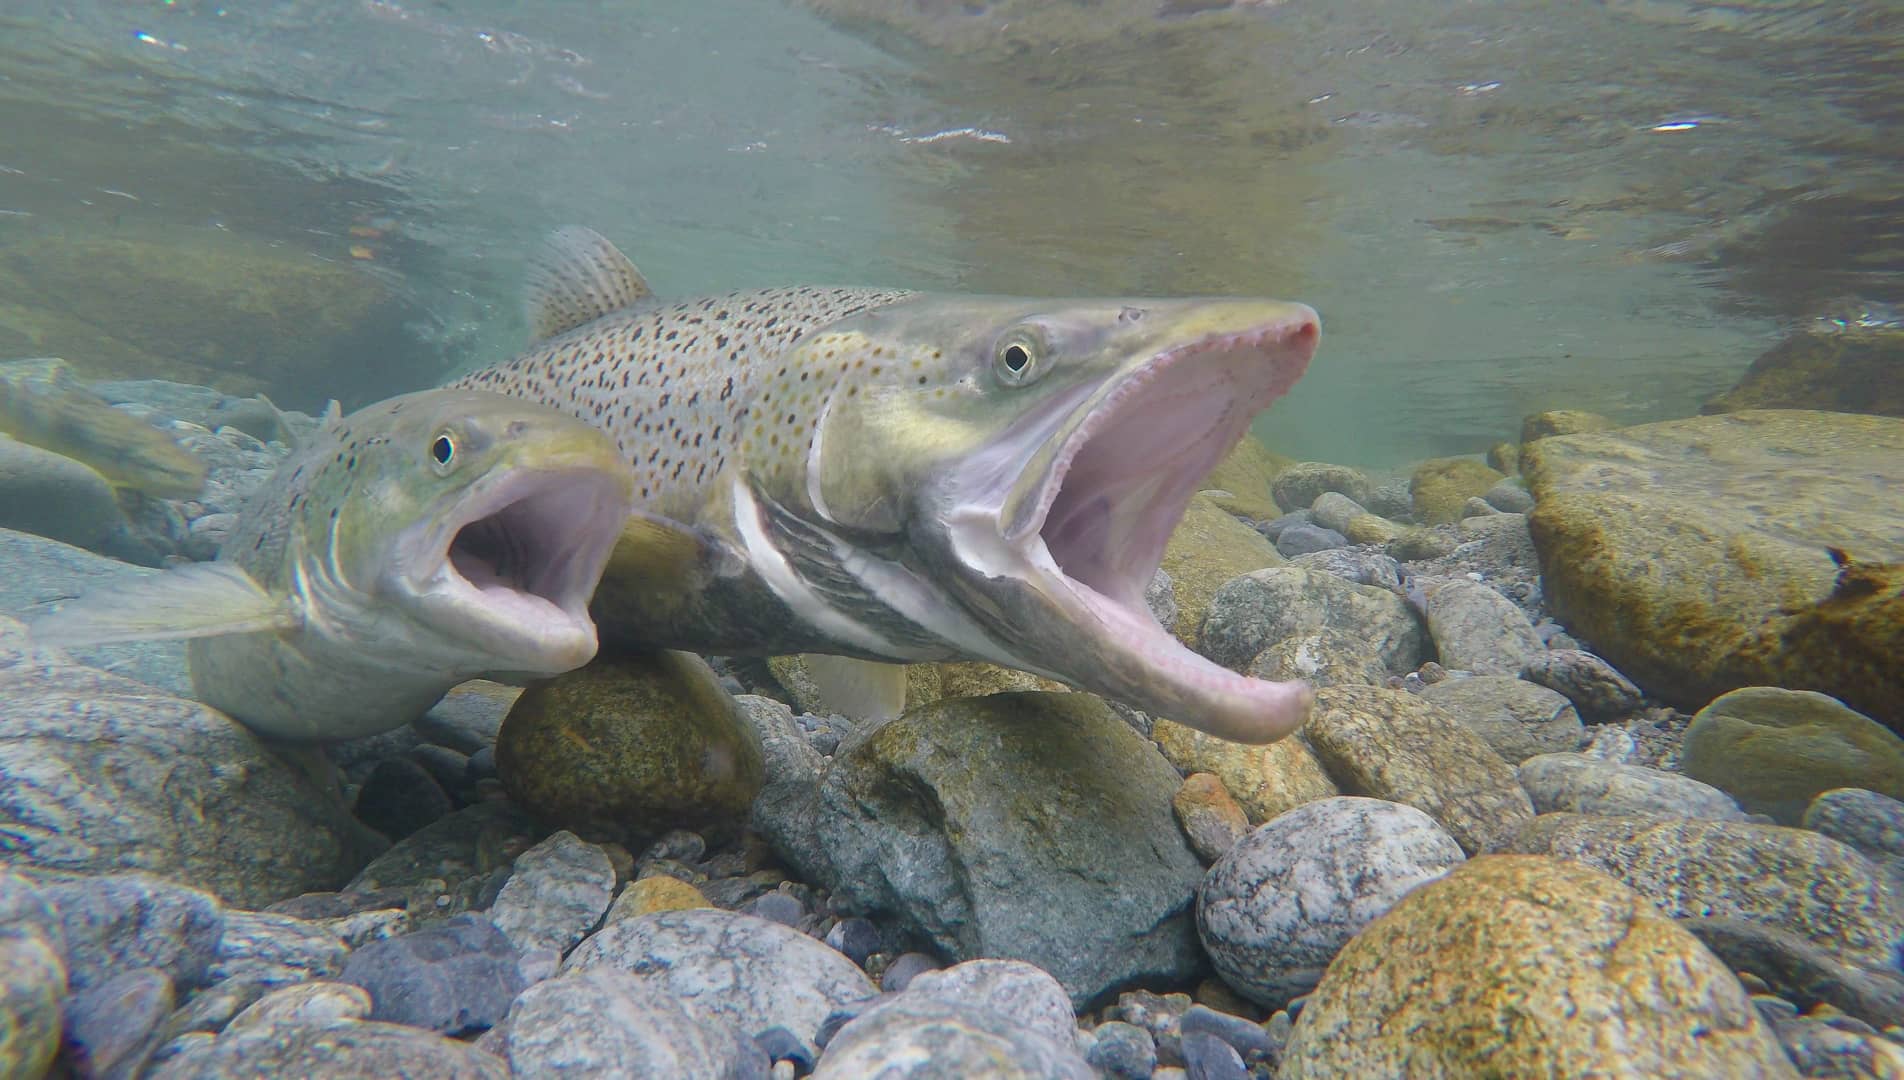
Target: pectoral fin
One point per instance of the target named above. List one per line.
(858, 689)
(199, 600)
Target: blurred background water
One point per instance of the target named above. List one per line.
(1497, 207)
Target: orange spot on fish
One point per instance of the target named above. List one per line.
(359, 251)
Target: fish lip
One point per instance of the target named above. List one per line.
(564, 520)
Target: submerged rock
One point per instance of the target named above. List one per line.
(41, 571)
(1032, 826)
(1442, 487)
(555, 895)
(1264, 780)
(605, 1022)
(1832, 364)
(1517, 718)
(457, 978)
(1775, 750)
(1252, 612)
(1578, 784)
(1474, 627)
(1599, 691)
(1600, 984)
(1300, 484)
(924, 1036)
(1208, 548)
(34, 984)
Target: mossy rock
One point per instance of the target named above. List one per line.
(1209, 548)
(1244, 478)
(1840, 367)
(1774, 750)
(638, 744)
(1442, 487)
(1543, 425)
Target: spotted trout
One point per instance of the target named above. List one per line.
(405, 548)
(893, 476)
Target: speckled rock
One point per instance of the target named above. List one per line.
(1254, 611)
(749, 971)
(1264, 780)
(1442, 486)
(1811, 885)
(1543, 425)
(1694, 553)
(1578, 784)
(457, 978)
(924, 816)
(1775, 750)
(643, 743)
(605, 1022)
(785, 810)
(99, 773)
(312, 1003)
(1474, 627)
(1522, 966)
(1868, 821)
(556, 894)
(1327, 657)
(1518, 719)
(337, 1050)
(1209, 816)
(652, 894)
(32, 956)
(1599, 691)
(1392, 745)
(273, 950)
(1275, 910)
(1011, 988)
(119, 922)
(1300, 483)
(113, 1027)
(1801, 972)
(921, 1036)
(1209, 548)
(449, 867)
(1121, 1051)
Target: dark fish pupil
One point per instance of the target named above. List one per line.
(1016, 357)
(442, 450)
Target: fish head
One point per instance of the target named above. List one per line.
(483, 522)
(1039, 454)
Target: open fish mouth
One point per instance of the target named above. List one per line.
(512, 570)
(1088, 530)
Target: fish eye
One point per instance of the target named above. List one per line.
(443, 450)
(1016, 359)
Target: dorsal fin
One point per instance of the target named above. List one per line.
(576, 277)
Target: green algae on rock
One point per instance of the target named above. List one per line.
(1528, 966)
(1442, 487)
(1696, 554)
(1774, 750)
(1208, 548)
(1836, 365)
(641, 743)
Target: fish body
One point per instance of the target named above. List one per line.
(43, 404)
(895, 476)
(414, 544)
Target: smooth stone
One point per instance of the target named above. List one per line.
(342, 1050)
(1327, 657)
(652, 894)
(1252, 612)
(1578, 784)
(1600, 983)
(641, 743)
(749, 971)
(1307, 539)
(455, 978)
(786, 810)
(1301, 483)
(605, 1022)
(1357, 566)
(1442, 486)
(1392, 745)
(1122, 1051)
(1696, 554)
(1599, 691)
(272, 950)
(1211, 819)
(1775, 750)
(1012, 988)
(1248, 1039)
(784, 1047)
(919, 1035)
(1208, 548)
(1421, 545)
(191, 795)
(1737, 870)
(313, 1003)
(778, 907)
(904, 968)
(1509, 497)
(1518, 719)
(855, 938)
(556, 894)
(1474, 627)
(1275, 910)
(1373, 529)
(1801, 972)
(1392, 500)
(51, 495)
(1333, 510)
(1868, 821)
(1206, 1057)
(111, 1027)
(921, 816)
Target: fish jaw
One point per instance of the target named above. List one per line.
(1054, 559)
(503, 577)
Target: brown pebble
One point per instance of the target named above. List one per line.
(1209, 815)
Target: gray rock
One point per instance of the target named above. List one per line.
(1801, 972)
(1160, 596)
(446, 867)
(1300, 484)
(1595, 688)
(1122, 1051)
(1333, 511)
(469, 716)
(1578, 784)
(274, 950)
(606, 1022)
(314, 1003)
(1509, 497)
(42, 571)
(916, 1035)
(1306, 539)
(923, 816)
(1358, 565)
(1392, 499)
(121, 922)
(113, 1026)
(1474, 627)
(1252, 612)
(1248, 1039)
(789, 799)
(1206, 1057)
(1477, 507)
(1518, 719)
(748, 971)
(1273, 529)
(1283, 902)
(455, 978)
(341, 1050)
(904, 968)
(50, 495)
(1868, 821)
(1012, 988)
(192, 794)
(556, 895)
(1327, 657)
(1826, 1047)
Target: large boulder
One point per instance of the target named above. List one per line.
(1698, 555)
(1831, 364)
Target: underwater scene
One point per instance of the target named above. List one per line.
(1139, 539)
